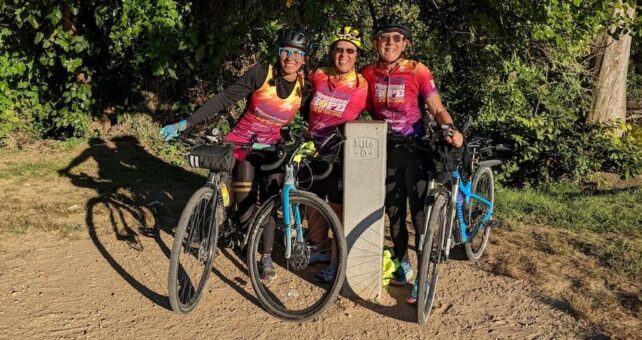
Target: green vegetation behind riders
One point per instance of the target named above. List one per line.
(521, 66)
(605, 224)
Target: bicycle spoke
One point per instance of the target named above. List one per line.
(192, 253)
(299, 288)
(483, 185)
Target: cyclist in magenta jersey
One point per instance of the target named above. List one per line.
(274, 94)
(399, 91)
(339, 95)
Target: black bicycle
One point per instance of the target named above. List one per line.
(208, 219)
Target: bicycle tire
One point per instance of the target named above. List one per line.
(183, 294)
(431, 255)
(483, 185)
(269, 297)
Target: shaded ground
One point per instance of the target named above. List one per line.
(84, 252)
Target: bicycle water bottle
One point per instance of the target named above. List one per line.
(225, 193)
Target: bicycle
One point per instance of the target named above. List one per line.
(207, 219)
(294, 294)
(457, 211)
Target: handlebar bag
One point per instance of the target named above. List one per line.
(213, 157)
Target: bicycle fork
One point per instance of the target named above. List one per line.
(452, 212)
(428, 206)
(288, 211)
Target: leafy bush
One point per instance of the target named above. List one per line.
(522, 69)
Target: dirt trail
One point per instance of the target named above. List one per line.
(84, 247)
(54, 287)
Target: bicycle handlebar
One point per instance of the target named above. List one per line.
(505, 148)
(324, 174)
(274, 165)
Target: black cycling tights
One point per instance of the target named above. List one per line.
(406, 179)
(250, 186)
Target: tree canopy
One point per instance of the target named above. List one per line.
(524, 70)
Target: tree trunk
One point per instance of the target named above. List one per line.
(609, 94)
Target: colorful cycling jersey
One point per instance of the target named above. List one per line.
(266, 113)
(336, 99)
(394, 96)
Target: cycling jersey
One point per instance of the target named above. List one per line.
(397, 96)
(265, 114)
(243, 87)
(335, 99)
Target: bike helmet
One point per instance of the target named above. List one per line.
(347, 33)
(293, 37)
(392, 23)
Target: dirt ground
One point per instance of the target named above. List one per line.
(84, 253)
(56, 288)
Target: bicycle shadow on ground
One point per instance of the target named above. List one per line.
(138, 196)
(237, 283)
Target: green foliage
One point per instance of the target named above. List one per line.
(606, 223)
(147, 132)
(568, 206)
(521, 69)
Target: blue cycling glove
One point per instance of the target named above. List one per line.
(169, 132)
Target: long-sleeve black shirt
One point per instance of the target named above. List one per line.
(243, 87)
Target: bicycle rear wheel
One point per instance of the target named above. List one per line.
(483, 185)
(190, 263)
(431, 256)
(296, 293)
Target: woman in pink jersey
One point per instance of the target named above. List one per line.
(274, 94)
(339, 95)
(399, 92)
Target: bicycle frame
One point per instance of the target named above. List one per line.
(464, 188)
(459, 187)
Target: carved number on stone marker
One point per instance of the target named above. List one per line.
(365, 148)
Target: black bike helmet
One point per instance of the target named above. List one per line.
(392, 23)
(293, 37)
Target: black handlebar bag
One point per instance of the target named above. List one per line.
(213, 157)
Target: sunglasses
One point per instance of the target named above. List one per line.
(296, 54)
(388, 37)
(339, 50)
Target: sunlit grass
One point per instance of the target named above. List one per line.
(608, 223)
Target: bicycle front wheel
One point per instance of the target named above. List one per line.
(483, 185)
(431, 256)
(300, 290)
(190, 263)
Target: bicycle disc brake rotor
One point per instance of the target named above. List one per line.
(300, 255)
(203, 251)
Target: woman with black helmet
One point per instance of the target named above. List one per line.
(274, 94)
(398, 91)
